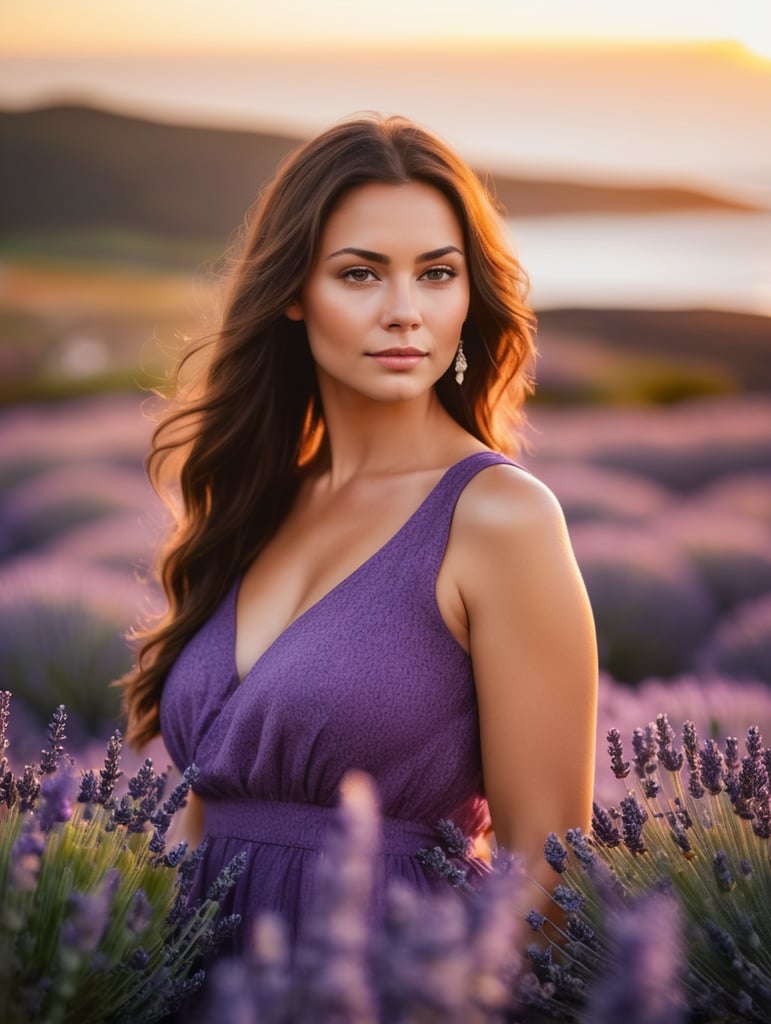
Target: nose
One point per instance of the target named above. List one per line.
(400, 308)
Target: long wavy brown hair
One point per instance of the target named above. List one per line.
(238, 445)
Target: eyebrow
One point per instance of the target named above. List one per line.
(379, 257)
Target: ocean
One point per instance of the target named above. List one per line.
(694, 118)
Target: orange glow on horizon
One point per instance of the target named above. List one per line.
(91, 27)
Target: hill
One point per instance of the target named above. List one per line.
(68, 168)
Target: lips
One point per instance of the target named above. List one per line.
(400, 360)
(398, 352)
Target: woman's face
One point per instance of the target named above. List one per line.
(386, 299)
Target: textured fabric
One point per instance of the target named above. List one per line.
(369, 677)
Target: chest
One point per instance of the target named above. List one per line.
(322, 543)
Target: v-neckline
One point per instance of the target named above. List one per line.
(237, 681)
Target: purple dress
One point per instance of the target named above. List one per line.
(369, 677)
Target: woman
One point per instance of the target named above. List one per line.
(358, 579)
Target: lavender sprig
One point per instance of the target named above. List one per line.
(618, 765)
(711, 767)
(50, 757)
(111, 772)
(670, 758)
(555, 853)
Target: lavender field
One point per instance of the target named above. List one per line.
(669, 509)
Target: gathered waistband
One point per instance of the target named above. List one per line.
(302, 825)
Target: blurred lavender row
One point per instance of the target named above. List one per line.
(669, 510)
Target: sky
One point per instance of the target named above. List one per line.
(486, 74)
(118, 26)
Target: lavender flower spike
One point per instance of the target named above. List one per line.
(580, 846)
(555, 853)
(711, 767)
(691, 745)
(111, 772)
(5, 711)
(722, 871)
(50, 757)
(603, 829)
(644, 746)
(670, 758)
(633, 817)
(644, 987)
(56, 805)
(618, 765)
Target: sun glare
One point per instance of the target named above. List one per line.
(748, 22)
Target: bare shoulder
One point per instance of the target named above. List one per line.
(506, 504)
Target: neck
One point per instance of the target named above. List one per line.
(377, 438)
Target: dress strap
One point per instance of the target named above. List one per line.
(437, 512)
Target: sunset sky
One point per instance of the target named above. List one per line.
(88, 26)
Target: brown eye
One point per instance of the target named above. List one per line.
(359, 275)
(438, 274)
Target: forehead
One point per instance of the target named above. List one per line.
(414, 215)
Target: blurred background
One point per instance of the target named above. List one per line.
(630, 147)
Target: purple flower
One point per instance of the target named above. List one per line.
(142, 782)
(139, 913)
(493, 930)
(671, 759)
(603, 829)
(437, 860)
(681, 836)
(645, 987)
(695, 787)
(731, 754)
(272, 980)
(644, 747)
(423, 957)
(50, 757)
(722, 871)
(570, 900)
(57, 797)
(332, 956)
(535, 919)
(555, 853)
(174, 856)
(229, 986)
(111, 772)
(9, 792)
(580, 846)
(161, 818)
(5, 711)
(139, 959)
(754, 741)
(28, 788)
(618, 765)
(186, 872)
(650, 787)
(711, 767)
(89, 914)
(89, 788)
(123, 812)
(581, 932)
(691, 745)
(633, 817)
(227, 877)
(453, 839)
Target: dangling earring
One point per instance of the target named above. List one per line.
(461, 363)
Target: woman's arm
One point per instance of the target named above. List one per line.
(533, 650)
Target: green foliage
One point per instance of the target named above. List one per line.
(699, 839)
(94, 922)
